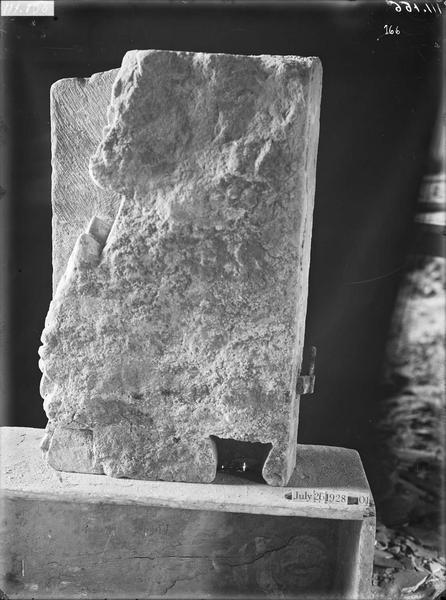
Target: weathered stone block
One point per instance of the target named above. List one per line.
(185, 320)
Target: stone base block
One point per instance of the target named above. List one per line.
(69, 535)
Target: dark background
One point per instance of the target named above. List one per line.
(379, 105)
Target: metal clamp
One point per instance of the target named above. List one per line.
(305, 383)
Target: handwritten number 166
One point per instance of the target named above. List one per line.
(390, 30)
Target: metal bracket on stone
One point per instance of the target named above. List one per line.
(305, 383)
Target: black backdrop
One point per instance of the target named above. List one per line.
(379, 104)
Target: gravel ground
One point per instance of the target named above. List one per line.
(410, 543)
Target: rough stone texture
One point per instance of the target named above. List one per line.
(78, 116)
(186, 319)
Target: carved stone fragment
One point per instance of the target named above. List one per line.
(78, 117)
(183, 318)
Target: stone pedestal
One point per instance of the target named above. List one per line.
(69, 535)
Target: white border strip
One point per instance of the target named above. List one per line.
(27, 8)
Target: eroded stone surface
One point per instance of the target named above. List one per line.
(187, 321)
(78, 116)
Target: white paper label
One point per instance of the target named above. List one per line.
(27, 8)
(317, 496)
